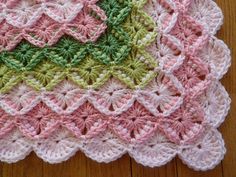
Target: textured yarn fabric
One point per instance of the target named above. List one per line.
(109, 77)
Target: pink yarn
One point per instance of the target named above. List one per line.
(6, 123)
(44, 23)
(40, 122)
(177, 111)
(190, 33)
(185, 125)
(135, 124)
(85, 122)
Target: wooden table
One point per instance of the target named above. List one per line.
(80, 166)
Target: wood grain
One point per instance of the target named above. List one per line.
(81, 166)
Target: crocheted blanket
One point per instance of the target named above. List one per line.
(109, 77)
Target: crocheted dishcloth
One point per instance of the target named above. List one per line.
(109, 77)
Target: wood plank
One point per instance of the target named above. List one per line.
(168, 170)
(81, 166)
(5, 170)
(184, 171)
(226, 33)
(228, 129)
(31, 166)
(118, 168)
(74, 167)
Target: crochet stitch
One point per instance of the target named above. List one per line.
(109, 77)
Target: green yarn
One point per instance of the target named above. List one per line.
(120, 53)
(110, 48)
(116, 11)
(45, 77)
(90, 74)
(8, 79)
(113, 47)
(24, 57)
(141, 28)
(67, 52)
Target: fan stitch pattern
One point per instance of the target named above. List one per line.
(111, 77)
(43, 23)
